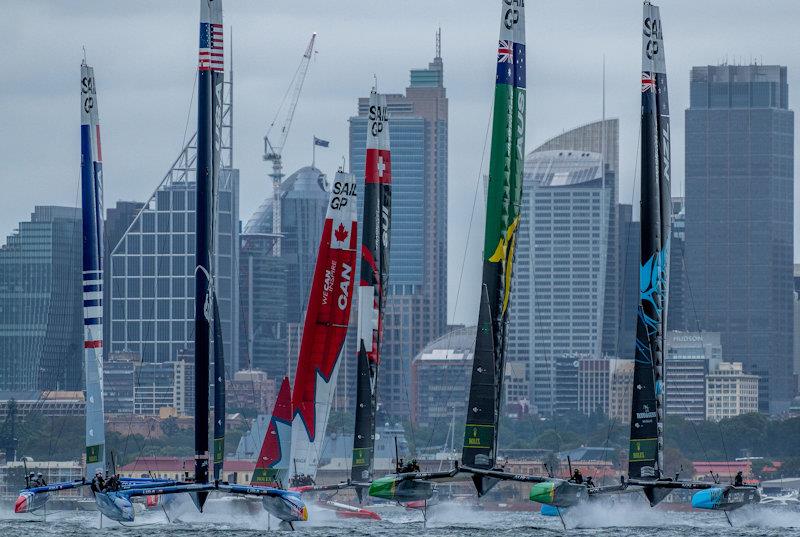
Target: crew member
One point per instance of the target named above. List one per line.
(577, 477)
(40, 480)
(738, 481)
(98, 483)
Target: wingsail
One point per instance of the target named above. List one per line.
(272, 466)
(92, 215)
(325, 327)
(373, 284)
(502, 221)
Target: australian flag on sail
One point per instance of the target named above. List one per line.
(211, 47)
(511, 63)
(320, 142)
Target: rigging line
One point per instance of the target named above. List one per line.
(463, 265)
(189, 113)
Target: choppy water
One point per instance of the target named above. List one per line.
(445, 520)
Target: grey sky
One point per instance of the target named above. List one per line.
(145, 52)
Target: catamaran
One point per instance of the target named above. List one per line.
(116, 504)
(479, 453)
(35, 498)
(646, 454)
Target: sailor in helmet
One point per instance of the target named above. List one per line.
(40, 480)
(29, 480)
(98, 483)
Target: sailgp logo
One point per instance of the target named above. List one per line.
(511, 15)
(652, 30)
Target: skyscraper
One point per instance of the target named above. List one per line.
(557, 302)
(274, 289)
(152, 266)
(629, 260)
(679, 313)
(601, 137)
(416, 310)
(739, 218)
(41, 308)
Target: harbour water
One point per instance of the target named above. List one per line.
(445, 520)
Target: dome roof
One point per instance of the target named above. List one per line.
(306, 183)
(459, 340)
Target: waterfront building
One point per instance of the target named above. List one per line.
(119, 379)
(164, 389)
(689, 359)
(620, 392)
(41, 303)
(730, 392)
(629, 261)
(739, 218)
(416, 309)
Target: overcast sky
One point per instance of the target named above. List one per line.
(145, 53)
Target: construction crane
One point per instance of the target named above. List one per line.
(274, 142)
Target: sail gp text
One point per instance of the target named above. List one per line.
(341, 191)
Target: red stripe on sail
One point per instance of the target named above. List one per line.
(92, 343)
(99, 147)
(379, 166)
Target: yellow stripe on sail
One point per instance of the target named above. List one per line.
(505, 252)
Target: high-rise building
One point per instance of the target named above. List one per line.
(152, 266)
(620, 392)
(41, 308)
(416, 309)
(629, 262)
(601, 137)
(165, 388)
(730, 392)
(690, 358)
(119, 379)
(118, 219)
(739, 218)
(559, 295)
(274, 289)
(679, 309)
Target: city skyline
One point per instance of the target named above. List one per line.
(132, 75)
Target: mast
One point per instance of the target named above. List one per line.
(209, 81)
(92, 215)
(272, 465)
(645, 459)
(373, 283)
(502, 220)
(325, 326)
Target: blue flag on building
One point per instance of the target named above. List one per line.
(320, 142)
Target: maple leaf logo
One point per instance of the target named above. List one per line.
(340, 233)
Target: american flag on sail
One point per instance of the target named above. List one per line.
(211, 47)
(505, 51)
(648, 81)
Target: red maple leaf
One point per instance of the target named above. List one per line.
(340, 233)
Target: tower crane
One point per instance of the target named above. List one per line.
(274, 141)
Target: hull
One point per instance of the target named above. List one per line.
(28, 502)
(115, 506)
(400, 489)
(287, 507)
(558, 494)
(725, 498)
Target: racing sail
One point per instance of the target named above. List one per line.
(645, 458)
(272, 465)
(502, 221)
(92, 215)
(373, 283)
(325, 327)
(209, 96)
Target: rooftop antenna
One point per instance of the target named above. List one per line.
(439, 42)
(84, 54)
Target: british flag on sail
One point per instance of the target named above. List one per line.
(92, 209)
(505, 51)
(211, 47)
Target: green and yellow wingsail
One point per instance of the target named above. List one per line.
(502, 222)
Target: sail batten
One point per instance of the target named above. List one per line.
(325, 326)
(645, 458)
(92, 217)
(502, 222)
(373, 283)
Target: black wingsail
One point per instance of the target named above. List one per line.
(503, 200)
(645, 460)
(373, 284)
(219, 392)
